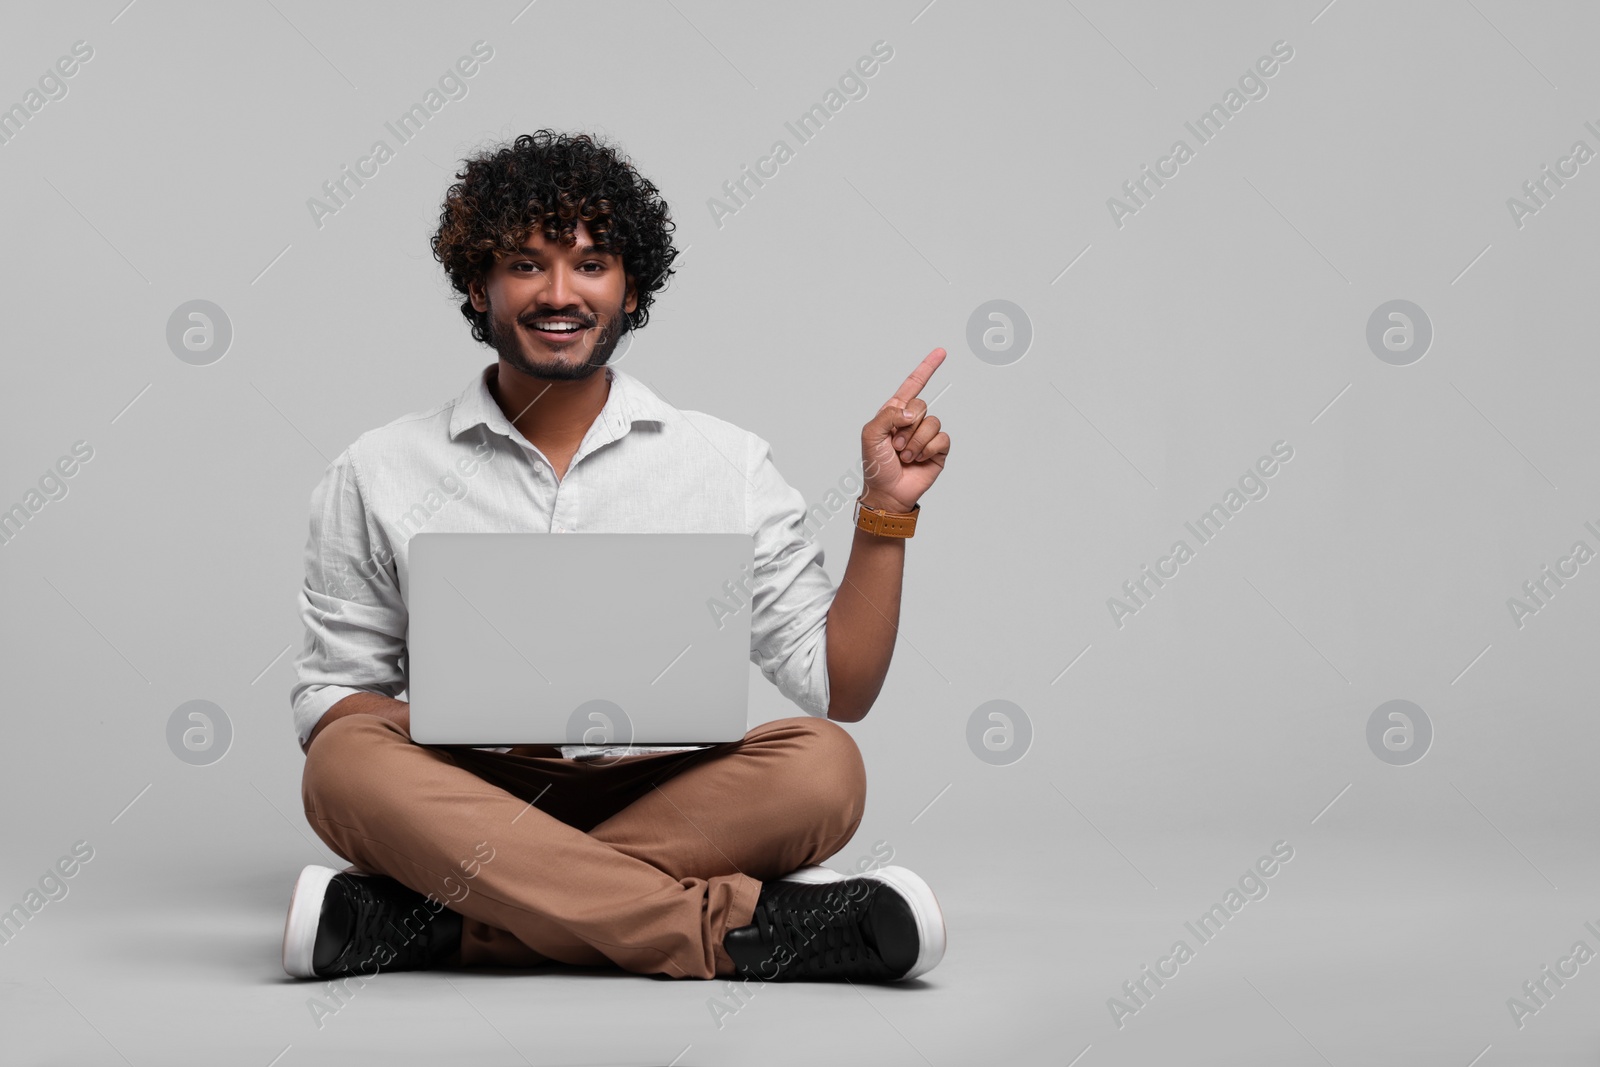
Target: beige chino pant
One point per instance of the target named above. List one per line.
(643, 863)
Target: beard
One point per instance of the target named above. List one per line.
(510, 340)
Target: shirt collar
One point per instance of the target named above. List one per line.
(630, 401)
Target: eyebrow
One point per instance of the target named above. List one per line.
(586, 250)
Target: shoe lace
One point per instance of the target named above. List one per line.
(822, 931)
(382, 921)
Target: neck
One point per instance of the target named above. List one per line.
(549, 409)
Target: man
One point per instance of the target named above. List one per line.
(698, 863)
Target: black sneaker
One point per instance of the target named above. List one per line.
(817, 924)
(342, 923)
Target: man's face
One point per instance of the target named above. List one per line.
(556, 311)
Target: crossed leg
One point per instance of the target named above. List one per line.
(677, 859)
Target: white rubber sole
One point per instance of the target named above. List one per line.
(813, 876)
(305, 912)
(910, 885)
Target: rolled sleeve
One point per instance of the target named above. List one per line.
(791, 592)
(355, 618)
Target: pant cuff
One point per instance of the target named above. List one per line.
(740, 911)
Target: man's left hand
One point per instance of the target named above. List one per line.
(902, 448)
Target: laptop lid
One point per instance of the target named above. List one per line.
(577, 638)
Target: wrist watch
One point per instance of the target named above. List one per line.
(886, 523)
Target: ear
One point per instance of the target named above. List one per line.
(630, 302)
(476, 293)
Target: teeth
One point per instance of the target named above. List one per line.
(558, 327)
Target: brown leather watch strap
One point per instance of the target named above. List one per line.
(887, 523)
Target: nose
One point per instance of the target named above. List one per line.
(558, 292)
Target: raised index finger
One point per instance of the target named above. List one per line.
(919, 377)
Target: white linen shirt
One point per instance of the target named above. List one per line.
(643, 467)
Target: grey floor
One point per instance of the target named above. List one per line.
(1360, 953)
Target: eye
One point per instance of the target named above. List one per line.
(517, 266)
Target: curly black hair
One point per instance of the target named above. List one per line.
(550, 182)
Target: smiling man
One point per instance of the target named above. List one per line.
(698, 862)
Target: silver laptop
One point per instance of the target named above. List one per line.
(578, 638)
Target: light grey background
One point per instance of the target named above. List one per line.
(1228, 314)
